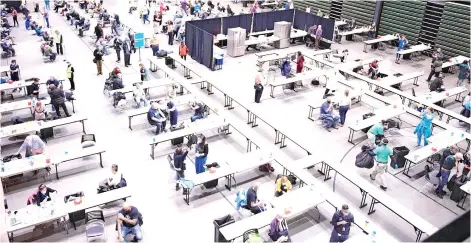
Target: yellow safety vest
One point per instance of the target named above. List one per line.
(58, 39)
(69, 72)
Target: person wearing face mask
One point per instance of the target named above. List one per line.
(258, 89)
(329, 118)
(425, 126)
(98, 54)
(202, 150)
(279, 229)
(342, 220)
(43, 194)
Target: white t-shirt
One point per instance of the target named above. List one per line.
(114, 179)
(345, 100)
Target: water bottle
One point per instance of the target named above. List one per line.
(2, 165)
(366, 225)
(452, 134)
(373, 236)
(395, 166)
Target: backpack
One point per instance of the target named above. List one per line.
(241, 199)
(122, 183)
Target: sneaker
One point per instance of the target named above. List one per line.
(383, 187)
(372, 178)
(439, 195)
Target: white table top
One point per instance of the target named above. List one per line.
(24, 165)
(416, 48)
(433, 97)
(380, 114)
(437, 143)
(340, 23)
(145, 85)
(454, 61)
(355, 31)
(297, 201)
(18, 129)
(90, 201)
(381, 39)
(32, 215)
(250, 160)
(19, 84)
(4, 69)
(76, 153)
(391, 80)
(178, 101)
(363, 62)
(206, 176)
(198, 126)
(21, 104)
(311, 74)
(63, 121)
(466, 187)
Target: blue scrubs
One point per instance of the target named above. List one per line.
(340, 232)
(424, 128)
(200, 161)
(173, 115)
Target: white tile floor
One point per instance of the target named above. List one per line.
(152, 181)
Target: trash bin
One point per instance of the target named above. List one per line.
(221, 222)
(398, 158)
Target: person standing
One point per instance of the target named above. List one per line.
(118, 44)
(127, 52)
(179, 163)
(57, 99)
(15, 73)
(300, 63)
(98, 32)
(170, 32)
(258, 89)
(173, 113)
(46, 18)
(425, 126)
(70, 75)
(376, 132)
(401, 45)
(436, 68)
(318, 36)
(183, 50)
(154, 45)
(59, 41)
(344, 105)
(132, 41)
(144, 72)
(382, 157)
(98, 54)
(437, 54)
(463, 73)
(47, 4)
(145, 15)
(342, 220)
(202, 150)
(14, 14)
(448, 165)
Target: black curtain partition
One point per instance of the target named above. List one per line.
(327, 28)
(259, 22)
(245, 21)
(190, 38)
(271, 18)
(230, 22)
(300, 20)
(286, 15)
(212, 26)
(207, 47)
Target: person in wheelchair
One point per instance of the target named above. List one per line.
(8, 49)
(117, 82)
(112, 182)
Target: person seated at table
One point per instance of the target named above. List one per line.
(437, 85)
(373, 69)
(117, 82)
(39, 111)
(452, 150)
(253, 204)
(46, 36)
(33, 145)
(79, 23)
(53, 80)
(376, 133)
(58, 4)
(129, 222)
(43, 194)
(329, 118)
(139, 95)
(112, 182)
(8, 48)
(283, 185)
(229, 10)
(198, 107)
(155, 118)
(86, 25)
(279, 229)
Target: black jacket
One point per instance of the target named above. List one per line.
(436, 83)
(98, 31)
(117, 83)
(57, 96)
(179, 159)
(98, 54)
(118, 44)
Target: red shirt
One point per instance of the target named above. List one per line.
(300, 61)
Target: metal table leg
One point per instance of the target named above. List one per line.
(101, 161)
(407, 168)
(57, 171)
(363, 198)
(372, 206)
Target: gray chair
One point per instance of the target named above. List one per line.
(95, 226)
(431, 177)
(88, 140)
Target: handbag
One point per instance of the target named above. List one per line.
(183, 166)
(94, 60)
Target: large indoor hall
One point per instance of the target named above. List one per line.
(235, 121)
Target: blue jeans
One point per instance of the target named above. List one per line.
(335, 237)
(136, 230)
(343, 113)
(419, 138)
(444, 174)
(196, 117)
(199, 164)
(155, 49)
(46, 3)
